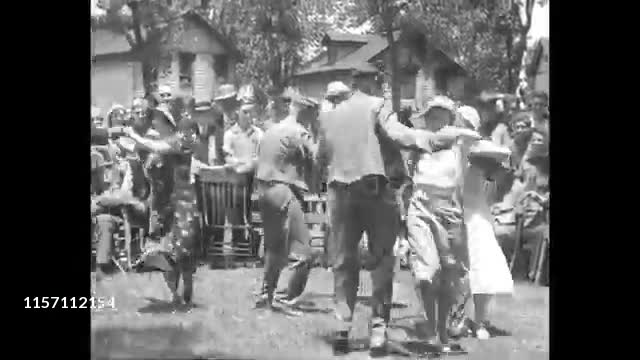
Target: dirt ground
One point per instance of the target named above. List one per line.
(224, 325)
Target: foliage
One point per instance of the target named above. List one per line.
(486, 37)
(277, 36)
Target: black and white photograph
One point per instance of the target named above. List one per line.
(314, 179)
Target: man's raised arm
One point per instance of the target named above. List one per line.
(409, 138)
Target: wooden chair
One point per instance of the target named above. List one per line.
(539, 248)
(222, 190)
(315, 216)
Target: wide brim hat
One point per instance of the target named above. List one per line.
(439, 101)
(337, 88)
(470, 115)
(202, 106)
(225, 92)
(489, 150)
(164, 89)
(294, 95)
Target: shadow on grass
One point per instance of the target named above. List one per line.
(157, 342)
(416, 333)
(157, 306)
(364, 300)
(410, 348)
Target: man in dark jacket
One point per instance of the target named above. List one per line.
(361, 142)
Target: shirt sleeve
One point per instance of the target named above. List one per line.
(407, 137)
(127, 180)
(227, 148)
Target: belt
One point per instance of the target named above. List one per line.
(373, 184)
(273, 182)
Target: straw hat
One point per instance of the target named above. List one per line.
(442, 102)
(95, 112)
(202, 106)
(336, 88)
(487, 149)
(470, 115)
(295, 96)
(225, 92)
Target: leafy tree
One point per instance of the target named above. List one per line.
(145, 24)
(487, 37)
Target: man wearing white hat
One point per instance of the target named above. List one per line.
(226, 99)
(240, 147)
(336, 91)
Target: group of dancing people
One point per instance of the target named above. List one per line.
(442, 197)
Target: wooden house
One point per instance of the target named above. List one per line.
(200, 59)
(116, 72)
(419, 79)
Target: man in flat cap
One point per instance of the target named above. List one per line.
(360, 141)
(285, 158)
(240, 147)
(226, 99)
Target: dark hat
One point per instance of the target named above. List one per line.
(163, 111)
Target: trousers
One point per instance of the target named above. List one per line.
(366, 206)
(286, 235)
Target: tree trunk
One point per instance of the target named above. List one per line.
(511, 63)
(147, 73)
(395, 79)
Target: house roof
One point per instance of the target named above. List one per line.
(230, 46)
(357, 60)
(105, 42)
(335, 36)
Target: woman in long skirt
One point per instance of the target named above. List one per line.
(181, 239)
(489, 273)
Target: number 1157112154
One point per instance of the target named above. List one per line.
(64, 302)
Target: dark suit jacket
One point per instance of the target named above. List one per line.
(99, 136)
(362, 136)
(201, 151)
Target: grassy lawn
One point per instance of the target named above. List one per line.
(224, 325)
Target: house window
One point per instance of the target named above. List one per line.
(221, 65)
(185, 63)
(332, 53)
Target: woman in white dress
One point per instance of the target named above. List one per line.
(489, 273)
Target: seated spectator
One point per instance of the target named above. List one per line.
(520, 133)
(539, 108)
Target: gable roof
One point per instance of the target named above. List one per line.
(104, 42)
(334, 36)
(198, 18)
(372, 45)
